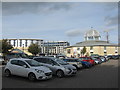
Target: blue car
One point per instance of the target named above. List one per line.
(86, 64)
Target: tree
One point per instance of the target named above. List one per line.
(34, 48)
(5, 47)
(83, 51)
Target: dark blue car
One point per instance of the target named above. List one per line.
(86, 64)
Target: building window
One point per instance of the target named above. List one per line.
(78, 48)
(104, 47)
(116, 48)
(91, 52)
(9, 41)
(14, 43)
(31, 41)
(91, 48)
(68, 51)
(20, 43)
(26, 43)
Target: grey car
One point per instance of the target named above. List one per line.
(57, 66)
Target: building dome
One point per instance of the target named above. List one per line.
(92, 35)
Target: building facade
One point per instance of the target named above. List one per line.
(93, 44)
(23, 44)
(54, 47)
(47, 47)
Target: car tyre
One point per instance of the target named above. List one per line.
(32, 77)
(7, 73)
(60, 73)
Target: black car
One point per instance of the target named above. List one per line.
(115, 57)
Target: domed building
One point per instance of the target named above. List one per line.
(94, 45)
(92, 35)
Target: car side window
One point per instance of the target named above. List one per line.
(21, 63)
(48, 61)
(14, 62)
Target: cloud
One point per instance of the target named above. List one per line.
(111, 21)
(13, 8)
(73, 33)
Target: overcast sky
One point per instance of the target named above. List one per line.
(64, 21)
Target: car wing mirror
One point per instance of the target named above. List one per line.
(25, 66)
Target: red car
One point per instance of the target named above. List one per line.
(88, 59)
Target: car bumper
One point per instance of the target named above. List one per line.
(72, 72)
(44, 76)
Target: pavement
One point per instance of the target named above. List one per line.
(104, 75)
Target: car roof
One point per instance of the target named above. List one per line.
(70, 58)
(22, 59)
(44, 57)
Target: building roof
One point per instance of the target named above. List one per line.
(93, 43)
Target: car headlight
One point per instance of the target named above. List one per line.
(39, 71)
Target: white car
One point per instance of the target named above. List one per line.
(27, 68)
(73, 61)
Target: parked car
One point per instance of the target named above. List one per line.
(1, 60)
(73, 61)
(115, 57)
(103, 58)
(85, 64)
(106, 58)
(109, 56)
(27, 68)
(58, 67)
(88, 59)
(97, 59)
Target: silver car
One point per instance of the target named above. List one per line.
(57, 66)
(27, 68)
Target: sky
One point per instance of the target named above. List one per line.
(59, 21)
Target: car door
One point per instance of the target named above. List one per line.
(51, 64)
(13, 67)
(22, 71)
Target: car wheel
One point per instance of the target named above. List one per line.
(7, 73)
(32, 77)
(60, 73)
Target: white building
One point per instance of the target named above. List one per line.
(23, 44)
(54, 47)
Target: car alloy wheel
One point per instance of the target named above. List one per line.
(32, 77)
(60, 73)
(7, 73)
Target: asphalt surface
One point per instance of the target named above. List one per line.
(104, 75)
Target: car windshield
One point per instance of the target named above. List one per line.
(84, 58)
(33, 63)
(61, 62)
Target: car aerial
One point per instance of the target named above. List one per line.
(88, 59)
(27, 68)
(73, 61)
(58, 66)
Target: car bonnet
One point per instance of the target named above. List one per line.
(43, 68)
(69, 66)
